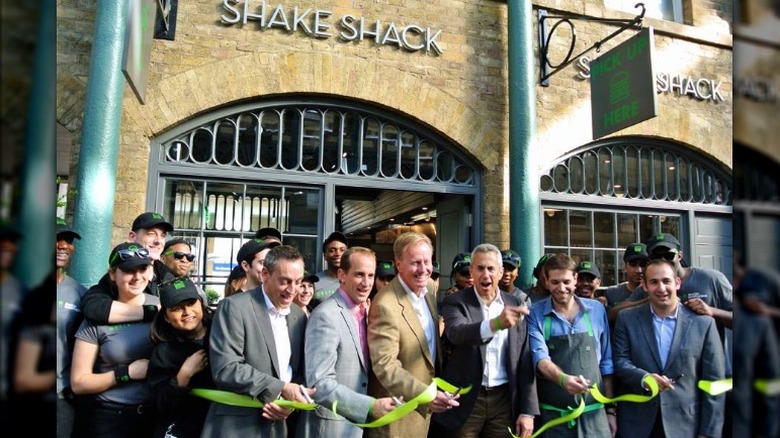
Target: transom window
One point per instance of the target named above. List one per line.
(319, 139)
(639, 170)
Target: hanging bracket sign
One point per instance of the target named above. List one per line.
(622, 85)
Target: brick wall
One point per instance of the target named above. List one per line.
(462, 93)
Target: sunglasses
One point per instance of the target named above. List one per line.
(126, 254)
(178, 255)
(668, 256)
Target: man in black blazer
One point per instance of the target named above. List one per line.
(491, 351)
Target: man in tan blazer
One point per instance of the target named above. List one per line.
(403, 339)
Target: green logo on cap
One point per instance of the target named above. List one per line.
(586, 265)
(659, 236)
(387, 265)
(156, 215)
(133, 247)
(178, 284)
(637, 248)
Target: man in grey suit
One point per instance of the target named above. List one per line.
(336, 353)
(677, 348)
(491, 352)
(256, 348)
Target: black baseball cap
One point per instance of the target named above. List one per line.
(310, 278)
(175, 241)
(385, 268)
(129, 255)
(662, 240)
(540, 264)
(151, 220)
(266, 232)
(461, 263)
(635, 251)
(511, 258)
(253, 246)
(586, 267)
(65, 231)
(236, 273)
(178, 290)
(436, 272)
(335, 236)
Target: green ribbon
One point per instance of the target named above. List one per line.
(715, 387)
(245, 401)
(599, 397)
(634, 398)
(423, 398)
(571, 416)
(767, 387)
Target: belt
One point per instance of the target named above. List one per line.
(139, 409)
(493, 388)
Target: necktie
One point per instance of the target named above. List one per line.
(362, 332)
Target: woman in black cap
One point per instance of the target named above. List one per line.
(180, 360)
(235, 281)
(110, 361)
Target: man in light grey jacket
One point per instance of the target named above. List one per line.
(336, 353)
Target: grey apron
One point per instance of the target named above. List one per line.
(575, 354)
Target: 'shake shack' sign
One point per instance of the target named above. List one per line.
(320, 23)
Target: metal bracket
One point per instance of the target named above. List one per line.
(165, 25)
(546, 68)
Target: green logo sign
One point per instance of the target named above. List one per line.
(622, 85)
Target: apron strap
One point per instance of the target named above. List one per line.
(548, 324)
(564, 412)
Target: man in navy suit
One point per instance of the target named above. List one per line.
(491, 352)
(677, 348)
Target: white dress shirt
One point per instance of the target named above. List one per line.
(494, 372)
(281, 338)
(424, 314)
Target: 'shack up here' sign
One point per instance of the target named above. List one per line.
(622, 85)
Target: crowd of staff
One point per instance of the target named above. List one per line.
(141, 354)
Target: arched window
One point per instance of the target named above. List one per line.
(639, 169)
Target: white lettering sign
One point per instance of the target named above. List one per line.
(316, 23)
(702, 89)
(758, 89)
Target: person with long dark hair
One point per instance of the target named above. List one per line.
(179, 361)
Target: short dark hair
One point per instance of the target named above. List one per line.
(655, 262)
(559, 261)
(281, 252)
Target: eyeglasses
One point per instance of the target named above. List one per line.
(178, 255)
(126, 254)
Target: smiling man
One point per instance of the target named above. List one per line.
(256, 348)
(403, 340)
(571, 350)
(336, 353)
(670, 343)
(69, 294)
(101, 306)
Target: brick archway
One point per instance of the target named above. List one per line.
(173, 100)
